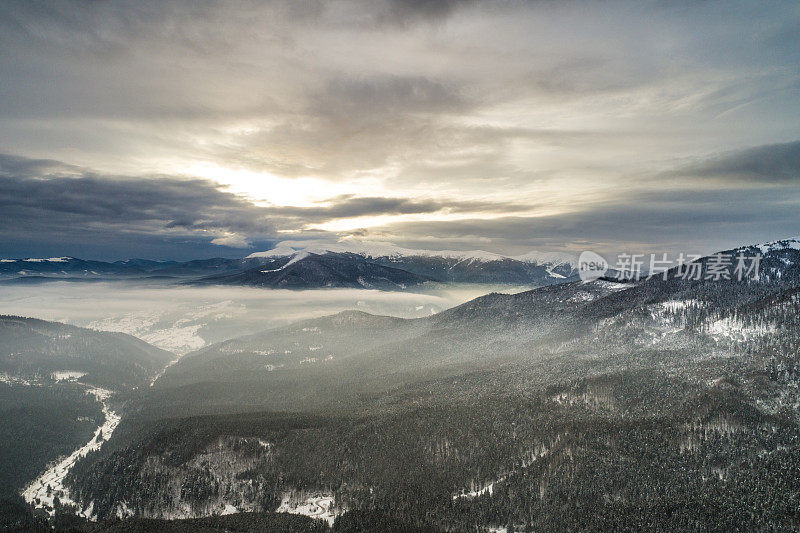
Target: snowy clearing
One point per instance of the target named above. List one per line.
(67, 375)
(317, 505)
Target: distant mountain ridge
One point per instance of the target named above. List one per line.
(474, 266)
(295, 265)
(375, 250)
(650, 314)
(344, 264)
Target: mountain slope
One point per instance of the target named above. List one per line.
(321, 271)
(33, 349)
(441, 265)
(620, 406)
(603, 318)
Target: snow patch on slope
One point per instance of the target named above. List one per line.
(368, 249)
(372, 249)
(783, 244)
(735, 330)
(67, 375)
(47, 260)
(548, 258)
(317, 505)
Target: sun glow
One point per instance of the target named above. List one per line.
(354, 223)
(264, 188)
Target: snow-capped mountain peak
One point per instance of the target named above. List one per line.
(548, 258)
(782, 244)
(374, 249)
(369, 249)
(39, 260)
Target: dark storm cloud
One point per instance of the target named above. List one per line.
(23, 166)
(48, 203)
(773, 163)
(55, 198)
(690, 221)
(350, 207)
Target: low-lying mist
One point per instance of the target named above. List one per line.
(182, 318)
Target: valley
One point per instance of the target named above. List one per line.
(635, 404)
(49, 487)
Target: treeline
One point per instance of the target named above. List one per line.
(608, 424)
(561, 459)
(38, 424)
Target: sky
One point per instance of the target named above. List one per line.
(186, 129)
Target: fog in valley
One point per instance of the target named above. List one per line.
(181, 319)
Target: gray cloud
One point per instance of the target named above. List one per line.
(350, 207)
(441, 106)
(410, 11)
(316, 88)
(690, 221)
(387, 95)
(773, 163)
(50, 203)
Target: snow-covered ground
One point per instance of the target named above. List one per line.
(42, 491)
(735, 330)
(163, 370)
(678, 305)
(67, 375)
(317, 505)
(792, 243)
(178, 332)
(480, 491)
(13, 380)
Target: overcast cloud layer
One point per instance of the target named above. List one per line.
(178, 129)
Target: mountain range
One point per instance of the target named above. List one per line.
(667, 403)
(357, 351)
(292, 265)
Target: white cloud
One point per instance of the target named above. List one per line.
(233, 240)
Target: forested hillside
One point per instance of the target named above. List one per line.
(34, 349)
(662, 404)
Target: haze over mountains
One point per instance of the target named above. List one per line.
(502, 412)
(353, 264)
(352, 345)
(38, 350)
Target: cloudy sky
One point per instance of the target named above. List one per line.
(177, 129)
